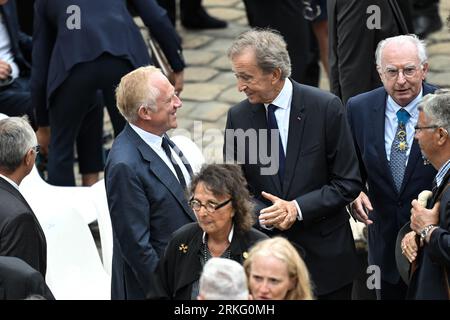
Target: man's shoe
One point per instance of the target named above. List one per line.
(427, 21)
(202, 20)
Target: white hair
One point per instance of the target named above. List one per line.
(223, 279)
(411, 38)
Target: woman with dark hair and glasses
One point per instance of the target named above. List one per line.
(222, 204)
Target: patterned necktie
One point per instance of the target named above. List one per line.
(399, 147)
(272, 124)
(166, 148)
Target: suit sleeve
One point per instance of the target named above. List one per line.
(156, 19)
(21, 239)
(130, 217)
(43, 41)
(342, 166)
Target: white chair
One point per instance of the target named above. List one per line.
(191, 151)
(43, 197)
(74, 269)
(98, 194)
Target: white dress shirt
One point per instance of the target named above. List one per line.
(283, 102)
(391, 123)
(154, 141)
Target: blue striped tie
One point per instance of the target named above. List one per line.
(399, 147)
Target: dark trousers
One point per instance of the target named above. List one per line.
(15, 100)
(344, 293)
(74, 110)
(188, 8)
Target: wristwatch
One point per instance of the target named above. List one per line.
(424, 231)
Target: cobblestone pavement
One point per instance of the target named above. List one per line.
(210, 87)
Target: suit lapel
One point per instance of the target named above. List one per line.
(378, 127)
(297, 120)
(414, 156)
(159, 168)
(259, 122)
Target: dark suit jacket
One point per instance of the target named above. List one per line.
(21, 234)
(18, 280)
(106, 26)
(352, 44)
(321, 173)
(20, 42)
(391, 210)
(147, 205)
(428, 281)
(178, 270)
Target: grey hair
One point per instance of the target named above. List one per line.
(134, 91)
(223, 279)
(17, 137)
(411, 38)
(437, 108)
(269, 47)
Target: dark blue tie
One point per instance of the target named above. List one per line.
(272, 124)
(166, 148)
(399, 147)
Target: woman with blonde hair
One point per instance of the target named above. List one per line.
(275, 271)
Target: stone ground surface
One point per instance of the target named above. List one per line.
(210, 86)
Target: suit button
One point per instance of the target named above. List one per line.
(400, 204)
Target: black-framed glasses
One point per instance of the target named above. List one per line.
(209, 206)
(36, 148)
(418, 128)
(408, 72)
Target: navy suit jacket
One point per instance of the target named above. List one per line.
(20, 42)
(105, 26)
(391, 209)
(321, 173)
(147, 204)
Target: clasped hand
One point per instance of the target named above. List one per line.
(281, 214)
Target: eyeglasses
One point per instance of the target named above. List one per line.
(36, 148)
(407, 72)
(418, 128)
(311, 12)
(210, 207)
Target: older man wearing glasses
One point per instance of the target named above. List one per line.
(21, 235)
(382, 123)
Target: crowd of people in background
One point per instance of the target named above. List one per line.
(235, 230)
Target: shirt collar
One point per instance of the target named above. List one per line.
(442, 172)
(410, 107)
(10, 181)
(230, 235)
(151, 139)
(283, 100)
